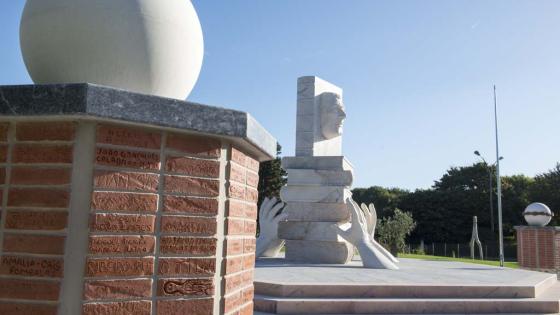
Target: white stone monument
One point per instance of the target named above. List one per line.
(319, 178)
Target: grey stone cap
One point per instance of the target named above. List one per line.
(528, 227)
(90, 100)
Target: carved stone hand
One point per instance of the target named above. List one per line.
(268, 244)
(371, 218)
(358, 234)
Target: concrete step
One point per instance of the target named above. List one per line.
(412, 290)
(276, 305)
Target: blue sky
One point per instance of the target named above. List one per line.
(417, 76)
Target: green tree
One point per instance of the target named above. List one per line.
(384, 199)
(271, 177)
(394, 230)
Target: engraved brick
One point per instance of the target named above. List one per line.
(36, 220)
(13, 308)
(188, 225)
(175, 204)
(252, 180)
(247, 278)
(251, 211)
(29, 289)
(248, 295)
(126, 181)
(3, 153)
(247, 309)
(250, 227)
(234, 264)
(188, 245)
(105, 245)
(117, 289)
(238, 157)
(40, 176)
(4, 132)
(248, 262)
(42, 131)
(242, 210)
(236, 191)
(39, 153)
(127, 202)
(34, 244)
(233, 283)
(235, 227)
(192, 186)
(119, 267)
(181, 307)
(38, 197)
(31, 266)
(237, 173)
(232, 302)
(252, 195)
(185, 287)
(128, 137)
(127, 159)
(186, 266)
(193, 167)
(122, 223)
(249, 245)
(195, 145)
(234, 247)
(118, 308)
(252, 164)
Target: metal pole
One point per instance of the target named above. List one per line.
(499, 183)
(491, 200)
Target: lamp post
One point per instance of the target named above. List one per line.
(491, 193)
(499, 182)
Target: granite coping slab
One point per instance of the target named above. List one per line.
(95, 101)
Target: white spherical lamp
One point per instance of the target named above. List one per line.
(146, 46)
(537, 214)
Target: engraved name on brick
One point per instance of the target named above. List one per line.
(192, 186)
(128, 202)
(121, 244)
(192, 205)
(193, 167)
(128, 137)
(118, 308)
(25, 289)
(34, 244)
(122, 223)
(186, 266)
(117, 289)
(101, 267)
(188, 245)
(188, 225)
(127, 159)
(126, 181)
(31, 266)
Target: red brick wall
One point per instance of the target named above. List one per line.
(35, 174)
(154, 206)
(537, 248)
(240, 233)
(155, 219)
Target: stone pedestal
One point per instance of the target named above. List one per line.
(114, 202)
(538, 248)
(315, 195)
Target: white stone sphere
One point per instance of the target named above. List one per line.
(537, 214)
(146, 46)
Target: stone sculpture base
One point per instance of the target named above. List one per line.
(315, 195)
(110, 208)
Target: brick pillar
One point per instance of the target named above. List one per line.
(537, 247)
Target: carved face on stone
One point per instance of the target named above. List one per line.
(332, 115)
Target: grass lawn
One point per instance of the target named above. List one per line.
(465, 260)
